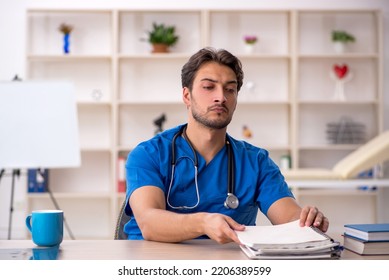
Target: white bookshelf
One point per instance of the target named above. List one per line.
(286, 99)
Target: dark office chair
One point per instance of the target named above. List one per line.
(123, 218)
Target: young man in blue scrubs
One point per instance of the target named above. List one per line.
(196, 181)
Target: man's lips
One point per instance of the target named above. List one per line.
(219, 109)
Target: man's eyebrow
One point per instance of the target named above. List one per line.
(209, 80)
(215, 81)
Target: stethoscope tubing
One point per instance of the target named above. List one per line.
(170, 187)
(231, 202)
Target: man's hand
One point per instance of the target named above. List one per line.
(311, 216)
(221, 228)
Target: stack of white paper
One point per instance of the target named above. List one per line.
(287, 241)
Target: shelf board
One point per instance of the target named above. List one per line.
(329, 147)
(338, 103)
(263, 56)
(271, 148)
(96, 149)
(337, 184)
(170, 55)
(333, 192)
(263, 102)
(150, 103)
(66, 58)
(93, 103)
(153, 56)
(121, 195)
(337, 56)
(124, 149)
(71, 195)
(70, 10)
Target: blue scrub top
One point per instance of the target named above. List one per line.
(258, 180)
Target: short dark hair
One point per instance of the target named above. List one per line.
(209, 54)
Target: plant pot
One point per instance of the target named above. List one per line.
(160, 48)
(339, 47)
(249, 48)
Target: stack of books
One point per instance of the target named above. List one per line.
(287, 241)
(367, 239)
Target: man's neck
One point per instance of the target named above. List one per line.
(206, 141)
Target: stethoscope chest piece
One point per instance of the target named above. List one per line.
(231, 202)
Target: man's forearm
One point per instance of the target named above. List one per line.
(165, 226)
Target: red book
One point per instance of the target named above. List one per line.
(121, 175)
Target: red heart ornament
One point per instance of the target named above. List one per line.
(340, 70)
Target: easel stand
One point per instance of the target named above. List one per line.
(15, 173)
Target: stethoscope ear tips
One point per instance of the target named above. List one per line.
(232, 202)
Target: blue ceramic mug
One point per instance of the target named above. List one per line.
(46, 227)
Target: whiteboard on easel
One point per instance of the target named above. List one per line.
(38, 125)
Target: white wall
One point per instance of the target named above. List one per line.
(12, 58)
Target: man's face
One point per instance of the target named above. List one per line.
(213, 99)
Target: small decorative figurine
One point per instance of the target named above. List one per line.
(247, 132)
(250, 91)
(159, 123)
(66, 30)
(341, 75)
(97, 94)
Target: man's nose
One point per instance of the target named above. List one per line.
(219, 95)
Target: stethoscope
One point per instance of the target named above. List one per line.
(231, 202)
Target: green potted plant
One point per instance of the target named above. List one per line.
(162, 37)
(340, 38)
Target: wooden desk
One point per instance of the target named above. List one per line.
(148, 250)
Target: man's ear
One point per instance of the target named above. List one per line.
(186, 96)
